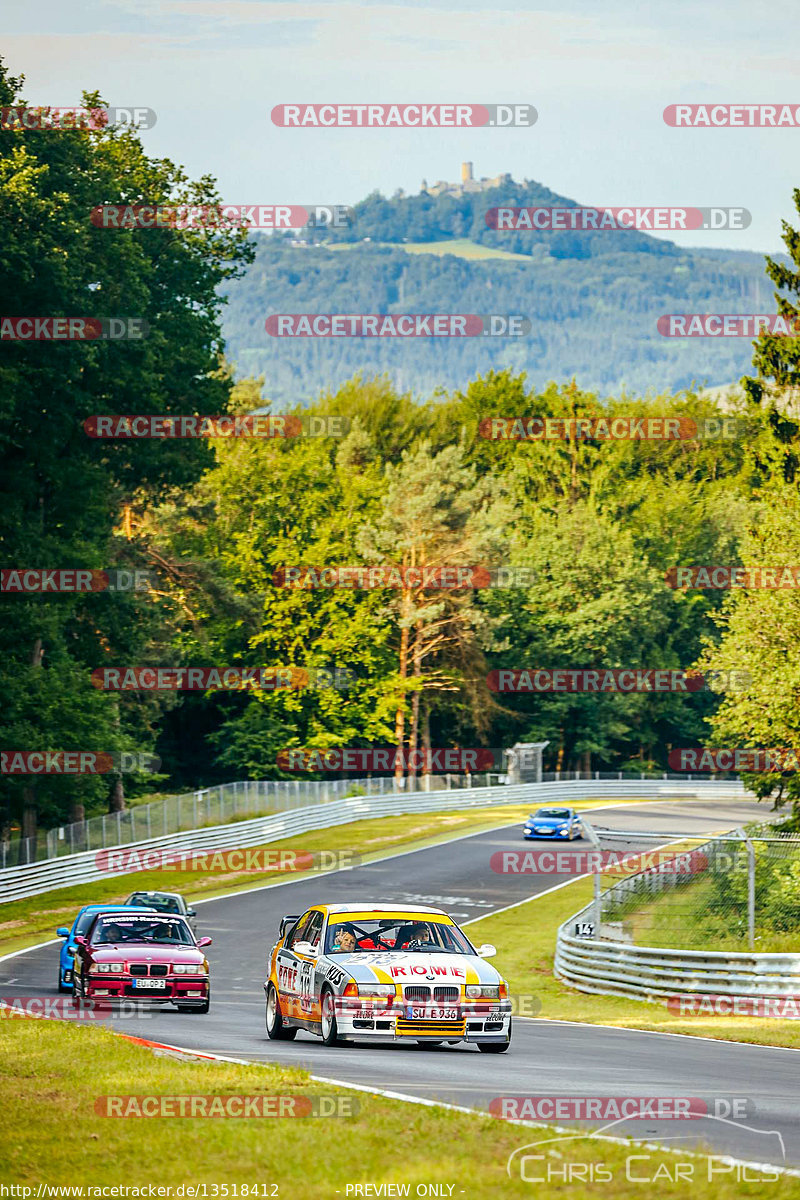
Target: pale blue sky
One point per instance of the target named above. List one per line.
(598, 74)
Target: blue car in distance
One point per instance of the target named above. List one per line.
(558, 824)
(79, 926)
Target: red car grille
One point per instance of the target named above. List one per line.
(148, 969)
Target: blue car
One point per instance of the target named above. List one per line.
(79, 926)
(559, 824)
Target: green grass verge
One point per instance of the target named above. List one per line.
(53, 1135)
(525, 938)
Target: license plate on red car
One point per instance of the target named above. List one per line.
(413, 1013)
(155, 985)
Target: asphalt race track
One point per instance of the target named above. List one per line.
(545, 1058)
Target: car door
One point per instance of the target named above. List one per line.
(308, 987)
(287, 966)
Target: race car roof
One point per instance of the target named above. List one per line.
(370, 906)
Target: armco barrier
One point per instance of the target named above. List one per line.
(655, 972)
(34, 878)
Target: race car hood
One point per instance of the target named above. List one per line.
(393, 966)
(548, 822)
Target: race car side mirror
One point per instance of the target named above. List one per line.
(287, 922)
(81, 941)
(304, 948)
(487, 950)
(62, 931)
(203, 942)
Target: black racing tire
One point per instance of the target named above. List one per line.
(63, 987)
(77, 987)
(328, 1023)
(273, 1019)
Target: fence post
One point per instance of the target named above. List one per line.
(597, 905)
(751, 893)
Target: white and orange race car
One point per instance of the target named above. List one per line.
(351, 972)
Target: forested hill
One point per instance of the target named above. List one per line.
(593, 299)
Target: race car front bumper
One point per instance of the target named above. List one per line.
(183, 988)
(477, 1022)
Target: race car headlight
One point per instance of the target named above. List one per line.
(105, 967)
(188, 968)
(382, 990)
(482, 991)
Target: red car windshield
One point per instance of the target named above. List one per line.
(157, 929)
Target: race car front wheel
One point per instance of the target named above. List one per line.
(276, 1030)
(330, 1031)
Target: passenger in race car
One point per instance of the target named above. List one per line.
(344, 940)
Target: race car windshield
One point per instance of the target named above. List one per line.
(401, 933)
(561, 813)
(160, 931)
(168, 904)
(84, 921)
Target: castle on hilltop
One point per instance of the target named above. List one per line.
(468, 183)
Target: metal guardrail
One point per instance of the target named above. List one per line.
(32, 879)
(655, 973)
(225, 802)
